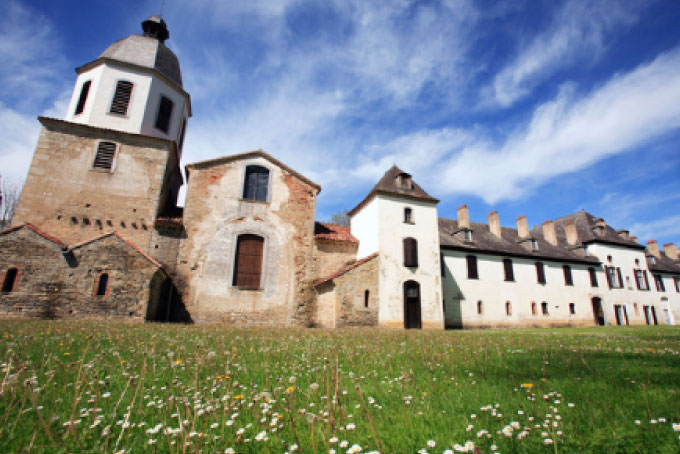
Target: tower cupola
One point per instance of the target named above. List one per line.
(155, 27)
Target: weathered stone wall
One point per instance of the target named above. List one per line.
(67, 197)
(215, 215)
(55, 285)
(341, 302)
(331, 256)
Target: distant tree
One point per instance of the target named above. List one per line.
(341, 218)
(9, 198)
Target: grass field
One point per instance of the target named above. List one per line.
(104, 387)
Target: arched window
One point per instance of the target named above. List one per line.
(102, 284)
(248, 264)
(9, 284)
(508, 308)
(410, 252)
(366, 296)
(256, 183)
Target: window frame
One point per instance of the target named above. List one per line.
(471, 265)
(82, 98)
(658, 283)
(235, 281)
(545, 310)
(129, 98)
(158, 114)
(572, 309)
(540, 273)
(508, 271)
(244, 183)
(113, 160)
(410, 252)
(6, 287)
(568, 277)
(616, 283)
(592, 273)
(97, 289)
(641, 279)
(508, 309)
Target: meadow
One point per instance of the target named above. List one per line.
(91, 387)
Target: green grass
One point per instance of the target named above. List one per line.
(102, 387)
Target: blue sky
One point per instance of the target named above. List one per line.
(527, 107)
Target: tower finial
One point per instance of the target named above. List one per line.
(155, 27)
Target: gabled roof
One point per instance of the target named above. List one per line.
(509, 244)
(588, 231)
(388, 185)
(119, 237)
(35, 229)
(333, 232)
(250, 154)
(345, 269)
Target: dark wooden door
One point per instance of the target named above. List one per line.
(412, 316)
(248, 261)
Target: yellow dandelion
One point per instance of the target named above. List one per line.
(290, 389)
(527, 385)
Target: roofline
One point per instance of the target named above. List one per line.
(345, 270)
(510, 254)
(248, 154)
(614, 243)
(48, 121)
(36, 230)
(123, 239)
(112, 61)
(376, 192)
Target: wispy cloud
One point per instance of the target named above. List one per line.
(659, 228)
(579, 32)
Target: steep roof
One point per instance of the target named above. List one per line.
(345, 270)
(390, 185)
(509, 244)
(250, 154)
(588, 231)
(333, 232)
(119, 237)
(36, 230)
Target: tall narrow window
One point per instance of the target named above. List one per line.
(676, 281)
(658, 282)
(472, 267)
(9, 284)
(480, 307)
(593, 277)
(104, 157)
(568, 280)
(410, 252)
(121, 98)
(572, 309)
(102, 284)
(614, 277)
(408, 215)
(366, 296)
(534, 310)
(544, 308)
(84, 90)
(540, 273)
(507, 268)
(248, 266)
(256, 183)
(181, 134)
(508, 308)
(164, 114)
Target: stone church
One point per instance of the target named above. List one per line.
(110, 242)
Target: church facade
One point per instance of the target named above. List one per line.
(97, 233)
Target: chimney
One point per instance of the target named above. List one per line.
(549, 232)
(623, 233)
(670, 251)
(633, 238)
(463, 217)
(600, 226)
(494, 223)
(522, 227)
(653, 248)
(572, 234)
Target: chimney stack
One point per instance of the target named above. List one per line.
(633, 238)
(549, 232)
(572, 234)
(670, 251)
(463, 217)
(600, 226)
(623, 233)
(653, 248)
(494, 223)
(522, 227)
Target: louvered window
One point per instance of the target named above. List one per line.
(83, 97)
(121, 99)
(256, 183)
(104, 157)
(164, 114)
(248, 266)
(540, 273)
(410, 252)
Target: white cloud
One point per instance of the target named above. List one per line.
(18, 134)
(666, 227)
(579, 32)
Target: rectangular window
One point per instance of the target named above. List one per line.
(408, 216)
(658, 281)
(181, 134)
(544, 308)
(104, 157)
(164, 114)
(572, 309)
(410, 252)
(256, 183)
(676, 281)
(507, 268)
(641, 280)
(614, 277)
(540, 273)
(83, 97)
(472, 267)
(568, 279)
(593, 277)
(121, 98)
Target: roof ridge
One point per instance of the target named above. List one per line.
(38, 231)
(345, 269)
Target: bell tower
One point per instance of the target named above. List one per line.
(112, 164)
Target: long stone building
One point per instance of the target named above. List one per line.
(108, 240)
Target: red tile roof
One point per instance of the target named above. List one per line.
(333, 232)
(345, 269)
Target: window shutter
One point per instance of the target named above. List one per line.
(121, 98)
(164, 114)
(618, 273)
(248, 267)
(540, 273)
(646, 280)
(507, 267)
(410, 252)
(104, 157)
(83, 97)
(472, 267)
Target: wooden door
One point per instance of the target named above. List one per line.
(412, 316)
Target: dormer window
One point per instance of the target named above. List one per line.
(408, 216)
(164, 114)
(534, 244)
(404, 181)
(256, 183)
(121, 98)
(467, 235)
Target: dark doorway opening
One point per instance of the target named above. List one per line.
(412, 318)
(598, 313)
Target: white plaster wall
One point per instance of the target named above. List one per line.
(364, 227)
(393, 273)
(462, 294)
(95, 75)
(179, 112)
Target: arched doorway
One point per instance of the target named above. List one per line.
(412, 319)
(598, 313)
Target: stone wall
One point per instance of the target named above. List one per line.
(331, 256)
(54, 283)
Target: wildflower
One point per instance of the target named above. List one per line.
(344, 444)
(229, 451)
(333, 440)
(448, 451)
(637, 422)
(494, 448)
(261, 436)
(151, 441)
(527, 385)
(290, 389)
(676, 427)
(547, 441)
(355, 449)
(470, 446)
(431, 443)
(350, 426)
